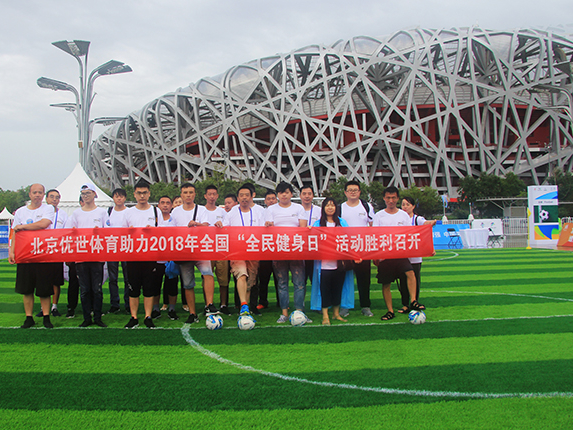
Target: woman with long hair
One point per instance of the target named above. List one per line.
(409, 205)
(329, 280)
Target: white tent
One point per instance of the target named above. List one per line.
(6, 215)
(70, 191)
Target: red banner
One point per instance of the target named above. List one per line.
(566, 236)
(228, 243)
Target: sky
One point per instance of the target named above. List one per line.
(172, 44)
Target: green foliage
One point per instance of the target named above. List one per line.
(564, 182)
(13, 200)
(336, 190)
(489, 186)
(429, 202)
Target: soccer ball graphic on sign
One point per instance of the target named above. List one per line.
(543, 215)
(297, 318)
(417, 317)
(246, 322)
(214, 322)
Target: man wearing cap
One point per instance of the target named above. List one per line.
(33, 277)
(90, 273)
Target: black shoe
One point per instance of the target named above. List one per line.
(148, 321)
(127, 311)
(155, 314)
(132, 323)
(211, 310)
(56, 312)
(47, 322)
(40, 314)
(100, 323)
(172, 315)
(71, 313)
(225, 310)
(192, 319)
(86, 323)
(29, 322)
(113, 310)
(255, 311)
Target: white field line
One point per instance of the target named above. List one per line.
(423, 393)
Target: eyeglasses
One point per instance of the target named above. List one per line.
(353, 190)
(141, 193)
(86, 193)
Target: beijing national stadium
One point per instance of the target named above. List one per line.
(419, 107)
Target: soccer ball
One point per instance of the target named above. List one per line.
(297, 319)
(417, 317)
(544, 215)
(246, 322)
(214, 322)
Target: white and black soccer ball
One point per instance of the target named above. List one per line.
(297, 318)
(417, 317)
(214, 322)
(544, 215)
(246, 322)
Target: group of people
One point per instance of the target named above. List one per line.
(332, 283)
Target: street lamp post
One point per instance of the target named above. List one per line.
(79, 50)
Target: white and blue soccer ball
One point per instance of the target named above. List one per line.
(417, 317)
(214, 322)
(297, 319)
(246, 322)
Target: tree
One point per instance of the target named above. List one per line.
(12, 200)
(564, 182)
(429, 203)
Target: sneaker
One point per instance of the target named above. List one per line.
(47, 322)
(224, 310)
(100, 323)
(172, 315)
(29, 322)
(114, 310)
(256, 312)
(56, 312)
(86, 323)
(185, 308)
(71, 313)
(366, 312)
(244, 310)
(211, 310)
(148, 321)
(308, 320)
(155, 314)
(282, 319)
(192, 319)
(344, 312)
(164, 308)
(127, 311)
(261, 307)
(40, 314)
(132, 323)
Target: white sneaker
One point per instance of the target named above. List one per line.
(282, 319)
(344, 312)
(366, 312)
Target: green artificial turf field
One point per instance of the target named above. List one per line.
(496, 352)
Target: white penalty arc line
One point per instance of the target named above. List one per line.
(420, 393)
(500, 294)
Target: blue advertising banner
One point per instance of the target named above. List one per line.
(3, 234)
(442, 238)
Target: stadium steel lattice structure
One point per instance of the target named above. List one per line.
(424, 107)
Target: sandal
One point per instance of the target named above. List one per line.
(415, 306)
(389, 315)
(404, 310)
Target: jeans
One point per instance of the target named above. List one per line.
(90, 276)
(188, 272)
(296, 268)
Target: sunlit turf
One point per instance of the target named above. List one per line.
(499, 322)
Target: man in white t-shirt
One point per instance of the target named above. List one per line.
(245, 272)
(190, 214)
(391, 269)
(358, 213)
(33, 277)
(266, 266)
(60, 218)
(90, 273)
(140, 274)
(288, 214)
(117, 219)
(313, 214)
(213, 215)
